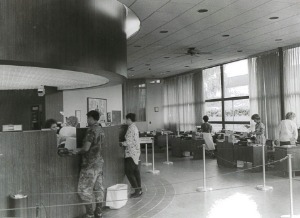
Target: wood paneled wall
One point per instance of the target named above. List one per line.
(15, 107)
(53, 106)
(30, 164)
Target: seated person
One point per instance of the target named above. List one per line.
(51, 124)
(206, 127)
(68, 131)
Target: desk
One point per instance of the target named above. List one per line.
(229, 153)
(252, 154)
(30, 163)
(281, 152)
(225, 154)
(181, 145)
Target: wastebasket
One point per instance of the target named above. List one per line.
(117, 196)
(18, 201)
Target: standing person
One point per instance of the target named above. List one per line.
(287, 130)
(132, 155)
(206, 127)
(69, 130)
(260, 129)
(91, 174)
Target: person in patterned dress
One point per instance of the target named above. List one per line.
(90, 183)
(132, 155)
(260, 129)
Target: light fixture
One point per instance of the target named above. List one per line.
(147, 64)
(186, 66)
(168, 71)
(273, 18)
(210, 59)
(225, 35)
(202, 10)
(164, 31)
(278, 40)
(137, 46)
(166, 57)
(239, 50)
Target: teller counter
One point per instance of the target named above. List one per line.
(30, 165)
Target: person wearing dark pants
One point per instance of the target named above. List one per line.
(133, 173)
(132, 155)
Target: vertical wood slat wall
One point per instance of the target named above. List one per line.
(30, 165)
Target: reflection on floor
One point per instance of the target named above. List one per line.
(172, 194)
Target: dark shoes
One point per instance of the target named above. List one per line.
(137, 194)
(98, 211)
(91, 214)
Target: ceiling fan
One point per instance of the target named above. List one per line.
(193, 52)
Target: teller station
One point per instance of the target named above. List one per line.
(31, 166)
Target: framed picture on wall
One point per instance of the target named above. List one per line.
(78, 115)
(100, 105)
(109, 117)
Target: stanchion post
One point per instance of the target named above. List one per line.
(146, 163)
(153, 171)
(204, 188)
(167, 147)
(264, 187)
(291, 190)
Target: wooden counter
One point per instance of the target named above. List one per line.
(30, 164)
(281, 152)
(181, 145)
(229, 153)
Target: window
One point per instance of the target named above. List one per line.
(236, 79)
(214, 110)
(237, 110)
(227, 96)
(212, 83)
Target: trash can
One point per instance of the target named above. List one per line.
(117, 196)
(18, 201)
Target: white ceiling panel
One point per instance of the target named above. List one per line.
(246, 21)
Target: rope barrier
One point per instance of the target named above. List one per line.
(94, 202)
(169, 184)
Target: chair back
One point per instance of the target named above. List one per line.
(209, 142)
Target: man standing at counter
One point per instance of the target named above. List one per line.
(91, 174)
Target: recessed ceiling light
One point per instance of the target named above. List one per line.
(131, 75)
(137, 46)
(278, 40)
(168, 71)
(202, 10)
(164, 31)
(210, 59)
(273, 18)
(226, 35)
(239, 50)
(186, 66)
(166, 57)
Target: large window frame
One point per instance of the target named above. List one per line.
(223, 100)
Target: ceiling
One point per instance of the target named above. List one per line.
(155, 54)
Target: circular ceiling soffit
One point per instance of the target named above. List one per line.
(24, 77)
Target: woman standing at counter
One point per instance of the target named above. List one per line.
(69, 130)
(287, 130)
(132, 155)
(260, 129)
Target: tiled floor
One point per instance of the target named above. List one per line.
(172, 194)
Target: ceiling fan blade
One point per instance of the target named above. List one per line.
(180, 56)
(203, 53)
